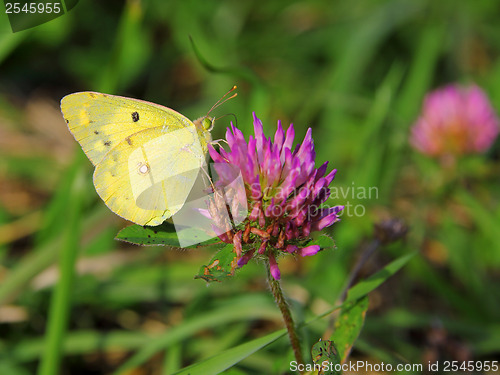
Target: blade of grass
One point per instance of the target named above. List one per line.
(79, 343)
(371, 158)
(220, 362)
(54, 216)
(419, 79)
(172, 360)
(130, 50)
(61, 298)
(47, 243)
(486, 219)
(20, 228)
(248, 309)
(366, 286)
(9, 40)
(421, 270)
(37, 261)
(356, 56)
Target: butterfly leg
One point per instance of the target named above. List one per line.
(218, 142)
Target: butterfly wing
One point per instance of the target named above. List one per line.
(147, 177)
(100, 121)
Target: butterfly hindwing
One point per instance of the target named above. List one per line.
(138, 182)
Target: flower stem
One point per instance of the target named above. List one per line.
(287, 316)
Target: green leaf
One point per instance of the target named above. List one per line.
(61, 300)
(366, 286)
(348, 326)
(325, 351)
(221, 266)
(164, 234)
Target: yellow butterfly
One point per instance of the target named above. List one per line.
(146, 156)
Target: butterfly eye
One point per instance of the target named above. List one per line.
(207, 123)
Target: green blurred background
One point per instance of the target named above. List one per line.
(354, 71)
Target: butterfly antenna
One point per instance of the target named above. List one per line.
(229, 114)
(224, 99)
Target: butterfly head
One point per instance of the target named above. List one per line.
(206, 122)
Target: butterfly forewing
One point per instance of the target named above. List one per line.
(100, 121)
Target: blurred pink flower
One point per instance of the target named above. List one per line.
(455, 121)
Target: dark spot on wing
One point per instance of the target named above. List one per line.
(67, 121)
(135, 116)
(92, 95)
(129, 141)
(96, 132)
(107, 143)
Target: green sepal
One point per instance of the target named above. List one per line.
(323, 240)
